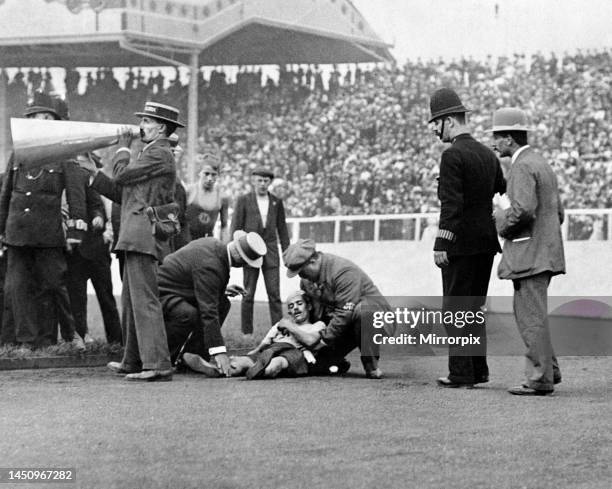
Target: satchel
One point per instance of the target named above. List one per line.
(164, 220)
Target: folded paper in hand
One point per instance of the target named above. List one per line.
(501, 201)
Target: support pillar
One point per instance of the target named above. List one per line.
(5, 140)
(192, 117)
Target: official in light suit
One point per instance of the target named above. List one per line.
(530, 223)
(142, 182)
(32, 229)
(466, 242)
(261, 212)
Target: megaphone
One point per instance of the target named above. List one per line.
(37, 142)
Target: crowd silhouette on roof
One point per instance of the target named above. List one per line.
(355, 140)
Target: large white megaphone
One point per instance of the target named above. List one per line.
(37, 142)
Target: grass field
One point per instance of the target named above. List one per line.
(400, 432)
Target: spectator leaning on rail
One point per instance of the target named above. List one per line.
(141, 184)
(466, 242)
(530, 222)
(341, 294)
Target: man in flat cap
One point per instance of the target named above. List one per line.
(341, 293)
(466, 242)
(263, 213)
(141, 184)
(530, 223)
(193, 287)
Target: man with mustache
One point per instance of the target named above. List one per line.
(530, 222)
(281, 351)
(140, 184)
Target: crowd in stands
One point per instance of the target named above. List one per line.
(358, 142)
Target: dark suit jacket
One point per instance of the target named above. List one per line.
(31, 204)
(147, 180)
(341, 286)
(532, 224)
(248, 218)
(93, 245)
(184, 236)
(470, 175)
(198, 273)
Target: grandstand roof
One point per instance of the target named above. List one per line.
(225, 32)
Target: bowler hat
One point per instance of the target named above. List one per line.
(297, 254)
(262, 171)
(445, 101)
(251, 247)
(509, 119)
(162, 112)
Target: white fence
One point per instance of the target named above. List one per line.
(579, 225)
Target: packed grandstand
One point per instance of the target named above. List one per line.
(356, 140)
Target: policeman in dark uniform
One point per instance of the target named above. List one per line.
(31, 228)
(470, 175)
(7, 327)
(341, 294)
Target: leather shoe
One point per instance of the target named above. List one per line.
(78, 343)
(118, 368)
(556, 380)
(521, 390)
(481, 380)
(375, 374)
(198, 364)
(151, 376)
(446, 382)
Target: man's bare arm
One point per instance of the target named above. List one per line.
(308, 339)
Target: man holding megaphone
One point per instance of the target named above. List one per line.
(144, 186)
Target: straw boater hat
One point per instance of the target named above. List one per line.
(251, 247)
(162, 112)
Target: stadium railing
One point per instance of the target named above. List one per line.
(579, 225)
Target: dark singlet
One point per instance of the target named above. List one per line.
(202, 218)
